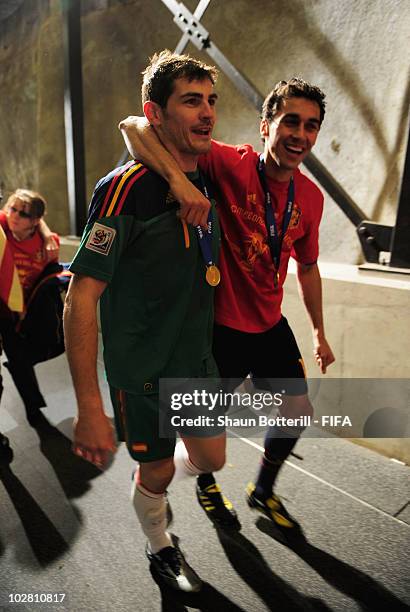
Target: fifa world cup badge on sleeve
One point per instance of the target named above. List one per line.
(101, 239)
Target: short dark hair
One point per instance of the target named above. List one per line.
(294, 88)
(34, 203)
(164, 68)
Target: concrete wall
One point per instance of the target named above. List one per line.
(356, 50)
(32, 151)
(366, 320)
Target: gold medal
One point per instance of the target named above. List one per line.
(276, 279)
(213, 276)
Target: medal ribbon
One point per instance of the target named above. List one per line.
(205, 236)
(275, 243)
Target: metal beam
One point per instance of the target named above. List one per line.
(200, 37)
(198, 13)
(73, 115)
(400, 244)
(237, 78)
(334, 189)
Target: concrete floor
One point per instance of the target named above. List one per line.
(66, 528)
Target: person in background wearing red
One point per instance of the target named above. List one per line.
(11, 295)
(33, 248)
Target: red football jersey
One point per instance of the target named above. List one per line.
(246, 298)
(29, 255)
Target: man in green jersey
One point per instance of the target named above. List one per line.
(155, 286)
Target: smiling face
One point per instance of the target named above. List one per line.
(290, 136)
(185, 125)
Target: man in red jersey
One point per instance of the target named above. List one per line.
(268, 211)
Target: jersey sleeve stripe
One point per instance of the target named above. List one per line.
(119, 187)
(113, 182)
(126, 190)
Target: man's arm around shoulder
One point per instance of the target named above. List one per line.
(93, 432)
(143, 143)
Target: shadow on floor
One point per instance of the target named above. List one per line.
(74, 475)
(45, 540)
(367, 592)
(208, 599)
(276, 593)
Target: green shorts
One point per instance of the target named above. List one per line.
(137, 421)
